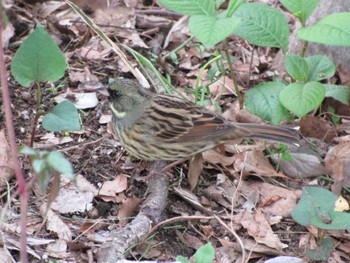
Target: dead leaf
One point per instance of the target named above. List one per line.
(322, 129)
(55, 224)
(7, 168)
(254, 162)
(127, 209)
(338, 165)
(302, 165)
(74, 197)
(110, 189)
(194, 170)
(80, 100)
(283, 206)
(259, 228)
(214, 157)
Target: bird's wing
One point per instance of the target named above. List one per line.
(173, 120)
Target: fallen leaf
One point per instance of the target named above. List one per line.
(74, 196)
(254, 162)
(338, 165)
(110, 189)
(195, 169)
(259, 228)
(302, 165)
(81, 100)
(7, 168)
(283, 206)
(322, 129)
(55, 224)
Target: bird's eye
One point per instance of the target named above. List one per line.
(114, 94)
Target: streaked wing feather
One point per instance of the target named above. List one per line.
(189, 122)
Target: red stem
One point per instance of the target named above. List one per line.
(12, 139)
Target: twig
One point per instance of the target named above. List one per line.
(12, 139)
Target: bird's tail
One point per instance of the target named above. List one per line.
(286, 135)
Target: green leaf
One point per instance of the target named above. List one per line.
(39, 165)
(301, 8)
(60, 164)
(332, 30)
(182, 259)
(262, 25)
(205, 254)
(212, 30)
(296, 67)
(63, 116)
(337, 92)
(263, 101)
(320, 67)
(302, 98)
(38, 59)
(316, 207)
(29, 151)
(232, 6)
(191, 7)
(323, 252)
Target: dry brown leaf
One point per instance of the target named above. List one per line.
(226, 254)
(322, 129)
(110, 189)
(284, 204)
(259, 228)
(127, 209)
(302, 165)
(80, 100)
(254, 162)
(338, 165)
(190, 240)
(214, 157)
(74, 197)
(55, 224)
(194, 170)
(7, 169)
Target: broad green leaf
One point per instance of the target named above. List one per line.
(212, 30)
(232, 6)
(60, 164)
(302, 98)
(63, 117)
(301, 8)
(29, 151)
(39, 165)
(182, 259)
(332, 30)
(38, 59)
(191, 7)
(296, 67)
(263, 101)
(262, 25)
(323, 252)
(316, 207)
(205, 254)
(337, 92)
(320, 67)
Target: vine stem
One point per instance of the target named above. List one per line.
(12, 140)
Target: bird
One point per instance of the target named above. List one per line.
(155, 127)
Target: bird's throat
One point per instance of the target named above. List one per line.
(118, 114)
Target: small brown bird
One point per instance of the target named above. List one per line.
(163, 127)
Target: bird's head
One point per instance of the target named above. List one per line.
(127, 97)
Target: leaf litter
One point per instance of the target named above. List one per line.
(244, 184)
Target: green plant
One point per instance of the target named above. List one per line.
(317, 207)
(39, 59)
(263, 25)
(205, 254)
